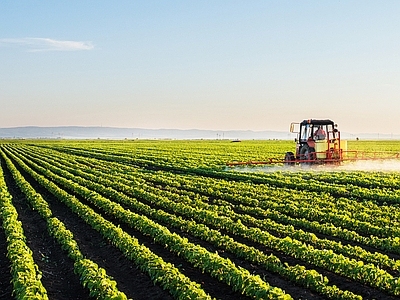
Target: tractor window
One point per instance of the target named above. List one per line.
(332, 132)
(306, 132)
(320, 132)
(317, 132)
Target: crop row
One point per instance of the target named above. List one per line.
(378, 180)
(264, 223)
(25, 273)
(353, 269)
(299, 274)
(381, 194)
(352, 214)
(269, 206)
(281, 205)
(163, 273)
(366, 217)
(217, 266)
(99, 283)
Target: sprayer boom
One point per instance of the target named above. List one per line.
(319, 142)
(344, 156)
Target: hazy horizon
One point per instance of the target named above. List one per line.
(95, 132)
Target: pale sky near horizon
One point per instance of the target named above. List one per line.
(222, 65)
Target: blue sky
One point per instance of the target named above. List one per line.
(250, 65)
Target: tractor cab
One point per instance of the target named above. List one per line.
(316, 140)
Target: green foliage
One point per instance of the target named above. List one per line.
(99, 284)
(26, 276)
(326, 220)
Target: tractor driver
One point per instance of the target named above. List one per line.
(320, 134)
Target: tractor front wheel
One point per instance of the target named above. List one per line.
(307, 153)
(289, 159)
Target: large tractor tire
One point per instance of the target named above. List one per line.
(308, 153)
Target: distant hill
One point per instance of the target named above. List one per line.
(76, 132)
(79, 132)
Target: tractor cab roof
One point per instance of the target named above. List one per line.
(317, 122)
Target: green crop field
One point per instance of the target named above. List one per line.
(140, 219)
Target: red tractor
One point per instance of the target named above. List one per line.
(318, 141)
